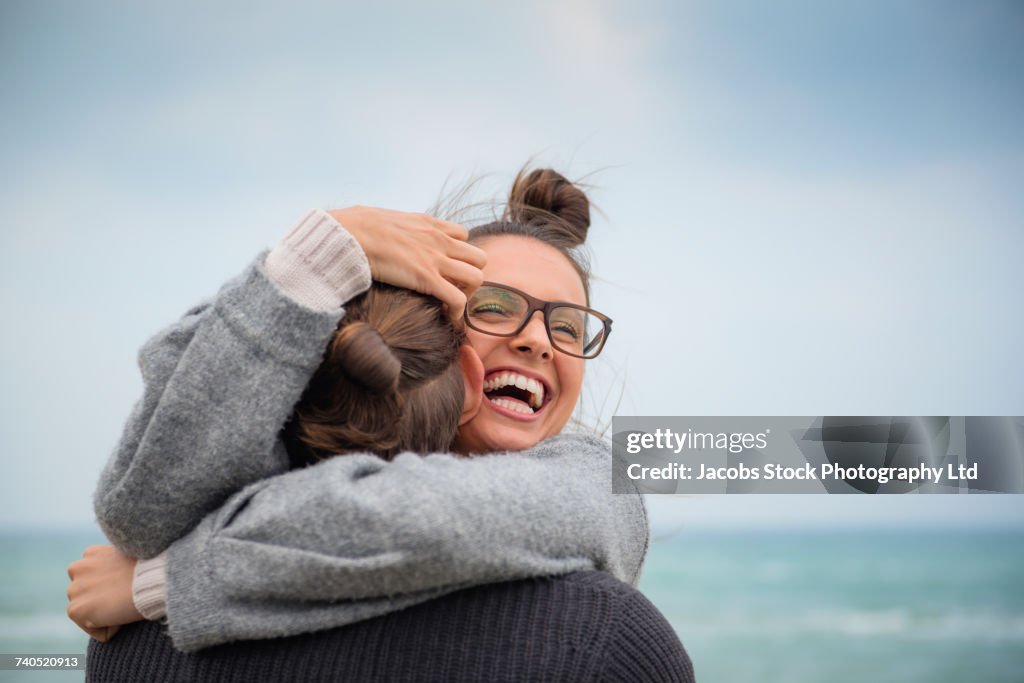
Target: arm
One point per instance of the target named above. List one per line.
(219, 384)
(355, 537)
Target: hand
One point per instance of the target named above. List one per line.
(418, 252)
(100, 592)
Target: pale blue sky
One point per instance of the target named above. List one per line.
(808, 208)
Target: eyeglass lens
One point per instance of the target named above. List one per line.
(500, 311)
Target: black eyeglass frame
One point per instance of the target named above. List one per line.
(545, 307)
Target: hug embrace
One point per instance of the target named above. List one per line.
(350, 464)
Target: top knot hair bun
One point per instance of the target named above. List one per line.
(544, 206)
(545, 197)
(390, 381)
(366, 358)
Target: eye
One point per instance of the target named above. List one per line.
(496, 310)
(490, 307)
(568, 325)
(565, 330)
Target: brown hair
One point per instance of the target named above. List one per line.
(546, 206)
(389, 381)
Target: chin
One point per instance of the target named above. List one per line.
(487, 436)
(519, 441)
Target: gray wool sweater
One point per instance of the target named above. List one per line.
(256, 551)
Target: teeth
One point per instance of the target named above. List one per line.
(516, 406)
(536, 390)
(505, 379)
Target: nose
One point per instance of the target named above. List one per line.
(533, 338)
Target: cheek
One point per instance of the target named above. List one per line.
(570, 379)
(483, 344)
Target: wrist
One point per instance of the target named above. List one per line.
(319, 264)
(357, 222)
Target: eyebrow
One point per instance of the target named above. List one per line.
(514, 293)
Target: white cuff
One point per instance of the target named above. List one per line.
(149, 587)
(319, 264)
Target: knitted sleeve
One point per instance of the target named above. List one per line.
(218, 386)
(355, 537)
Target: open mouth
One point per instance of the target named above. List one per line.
(515, 392)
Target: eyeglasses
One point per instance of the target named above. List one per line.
(504, 311)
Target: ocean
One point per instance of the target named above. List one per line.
(845, 606)
(787, 607)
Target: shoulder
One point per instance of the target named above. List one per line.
(584, 626)
(624, 636)
(640, 644)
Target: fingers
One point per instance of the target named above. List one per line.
(452, 297)
(98, 634)
(459, 275)
(445, 243)
(89, 603)
(82, 565)
(76, 611)
(103, 633)
(464, 276)
(453, 230)
(79, 613)
(419, 252)
(463, 251)
(456, 246)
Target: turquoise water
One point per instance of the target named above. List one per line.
(786, 607)
(849, 606)
(33, 578)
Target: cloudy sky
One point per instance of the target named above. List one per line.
(806, 209)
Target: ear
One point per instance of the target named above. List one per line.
(473, 379)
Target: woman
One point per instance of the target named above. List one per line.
(270, 562)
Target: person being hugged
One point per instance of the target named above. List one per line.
(223, 484)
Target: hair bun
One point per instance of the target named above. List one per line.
(545, 196)
(366, 358)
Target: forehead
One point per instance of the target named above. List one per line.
(532, 266)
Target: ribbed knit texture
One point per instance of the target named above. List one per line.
(149, 587)
(585, 626)
(318, 264)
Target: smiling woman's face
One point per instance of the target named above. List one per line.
(505, 422)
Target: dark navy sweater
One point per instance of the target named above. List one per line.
(585, 626)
